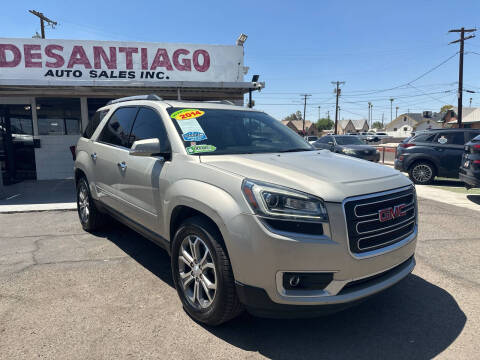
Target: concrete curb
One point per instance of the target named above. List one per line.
(11, 209)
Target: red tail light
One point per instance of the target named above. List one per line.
(476, 146)
(407, 145)
(476, 162)
(72, 150)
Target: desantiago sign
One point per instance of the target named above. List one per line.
(97, 63)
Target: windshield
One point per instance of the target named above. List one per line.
(348, 140)
(220, 132)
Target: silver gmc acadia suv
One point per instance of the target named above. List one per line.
(252, 215)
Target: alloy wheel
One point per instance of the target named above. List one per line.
(197, 273)
(422, 173)
(83, 203)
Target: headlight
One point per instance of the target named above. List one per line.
(273, 201)
(348, 151)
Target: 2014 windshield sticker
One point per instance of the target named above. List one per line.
(191, 128)
(186, 114)
(196, 149)
(194, 136)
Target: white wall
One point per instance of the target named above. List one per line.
(54, 158)
(401, 132)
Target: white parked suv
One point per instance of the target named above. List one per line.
(253, 216)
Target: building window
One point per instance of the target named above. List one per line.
(405, 128)
(94, 104)
(58, 116)
(394, 129)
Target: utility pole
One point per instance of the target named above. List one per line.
(337, 91)
(382, 119)
(391, 113)
(369, 118)
(43, 19)
(305, 96)
(396, 112)
(328, 114)
(470, 102)
(319, 114)
(462, 39)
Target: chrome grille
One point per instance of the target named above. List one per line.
(378, 220)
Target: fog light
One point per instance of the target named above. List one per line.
(306, 281)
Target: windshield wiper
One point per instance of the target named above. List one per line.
(295, 150)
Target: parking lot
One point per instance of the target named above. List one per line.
(65, 293)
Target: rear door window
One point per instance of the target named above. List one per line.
(148, 125)
(118, 128)
(423, 138)
(469, 135)
(450, 138)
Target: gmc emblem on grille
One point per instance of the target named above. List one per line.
(391, 213)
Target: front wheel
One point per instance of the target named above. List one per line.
(202, 273)
(422, 173)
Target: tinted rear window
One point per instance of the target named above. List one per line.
(424, 138)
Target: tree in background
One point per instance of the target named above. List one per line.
(444, 108)
(324, 124)
(377, 125)
(295, 116)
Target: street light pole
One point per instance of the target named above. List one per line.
(396, 112)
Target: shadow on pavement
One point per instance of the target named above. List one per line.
(29, 192)
(151, 256)
(412, 320)
(474, 198)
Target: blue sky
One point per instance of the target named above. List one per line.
(296, 47)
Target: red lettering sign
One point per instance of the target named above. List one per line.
(391, 213)
(17, 55)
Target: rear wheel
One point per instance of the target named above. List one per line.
(90, 217)
(422, 173)
(202, 273)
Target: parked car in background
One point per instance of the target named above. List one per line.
(374, 137)
(311, 139)
(470, 164)
(433, 153)
(253, 216)
(348, 145)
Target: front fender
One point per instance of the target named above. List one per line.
(206, 198)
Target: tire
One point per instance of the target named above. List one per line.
(422, 172)
(209, 295)
(90, 217)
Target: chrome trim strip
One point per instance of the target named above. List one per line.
(376, 202)
(383, 243)
(385, 227)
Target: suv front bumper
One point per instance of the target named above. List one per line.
(258, 302)
(259, 256)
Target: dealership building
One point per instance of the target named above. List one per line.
(50, 88)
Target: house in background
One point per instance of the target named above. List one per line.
(404, 124)
(297, 126)
(352, 126)
(470, 118)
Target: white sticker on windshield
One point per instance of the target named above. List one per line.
(191, 130)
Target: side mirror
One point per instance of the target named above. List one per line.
(330, 143)
(147, 147)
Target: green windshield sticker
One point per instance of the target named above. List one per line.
(195, 149)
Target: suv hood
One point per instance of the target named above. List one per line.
(331, 176)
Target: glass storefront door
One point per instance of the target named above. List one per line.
(17, 154)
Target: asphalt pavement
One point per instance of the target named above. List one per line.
(67, 294)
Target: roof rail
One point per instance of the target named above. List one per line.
(136, 97)
(226, 102)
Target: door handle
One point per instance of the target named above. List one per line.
(122, 166)
(94, 156)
